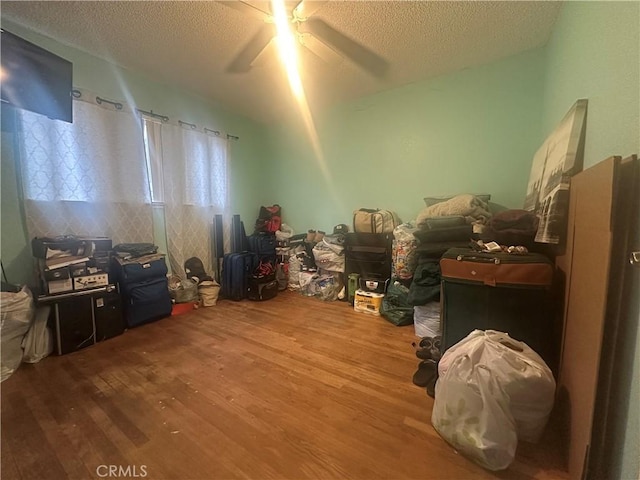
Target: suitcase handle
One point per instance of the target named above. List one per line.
(495, 260)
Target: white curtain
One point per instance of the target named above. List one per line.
(195, 188)
(87, 177)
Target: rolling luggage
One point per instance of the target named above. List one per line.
(139, 269)
(236, 269)
(263, 244)
(368, 255)
(146, 301)
(498, 291)
(144, 287)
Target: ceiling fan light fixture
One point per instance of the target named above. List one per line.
(287, 46)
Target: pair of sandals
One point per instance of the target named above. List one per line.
(428, 351)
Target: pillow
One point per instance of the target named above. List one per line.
(485, 197)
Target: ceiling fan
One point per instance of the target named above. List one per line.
(313, 33)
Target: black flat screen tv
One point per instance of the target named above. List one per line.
(35, 79)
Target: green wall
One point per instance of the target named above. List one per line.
(472, 131)
(594, 53)
(109, 81)
(16, 257)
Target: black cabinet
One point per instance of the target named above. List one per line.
(73, 324)
(107, 315)
(81, 319)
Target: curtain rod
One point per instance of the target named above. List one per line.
(205, 130)
(75, 93)
(192, 125)
(118, 105)
(150, 113)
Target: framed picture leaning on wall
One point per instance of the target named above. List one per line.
(559, 157)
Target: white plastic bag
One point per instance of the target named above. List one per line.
(294, 272)
(285, 233)
(522, 373)
(471, 412)
(426, 320)
(329, 256)
(16, 312)
(183, 290)
(307, 285)
(38, 342)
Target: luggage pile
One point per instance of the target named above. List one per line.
(369, 259)
(141, 274)
(508, 292)
(250, 270)
(484, 284)
(444, 223)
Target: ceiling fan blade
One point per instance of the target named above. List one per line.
(306, 8)
(359, 54)
(320, 49)
(266, 54)
(249, 9)
(245, 58)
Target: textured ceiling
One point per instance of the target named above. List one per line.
(190, 44)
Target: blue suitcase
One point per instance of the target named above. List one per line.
(236, 269)
(139, 269)
(146, 301)
(263, 244)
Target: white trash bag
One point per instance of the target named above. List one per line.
(16, 314)
(426, 320)
(522, 373)
(38, 342)
(329, 256)
(471, 412)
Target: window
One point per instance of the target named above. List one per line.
(152, 137)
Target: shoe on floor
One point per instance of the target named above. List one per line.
(427, 372)
(421, 353)
(431, 347)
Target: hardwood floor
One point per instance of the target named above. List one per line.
(292, 388)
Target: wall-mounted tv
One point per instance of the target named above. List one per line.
(35, 79)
